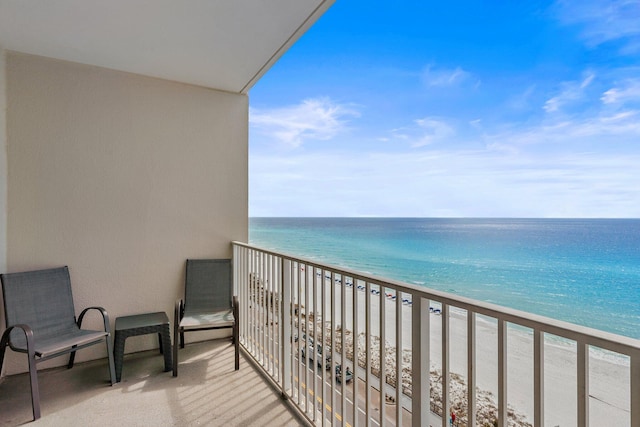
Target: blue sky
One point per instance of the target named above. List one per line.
(453, 109)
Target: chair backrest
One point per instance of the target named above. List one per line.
(41, 299)
(208, 285)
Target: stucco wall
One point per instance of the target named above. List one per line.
(3, 178)
(121, 177)
(3, 166)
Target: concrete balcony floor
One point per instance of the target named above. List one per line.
(207, 392)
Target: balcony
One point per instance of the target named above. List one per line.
(495, 366)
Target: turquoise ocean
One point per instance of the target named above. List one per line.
(583, 271)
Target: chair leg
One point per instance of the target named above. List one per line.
(236, 344)
(33, 378)
(176, 335)
(33, 371)
(236, 329)
(112, 368)
(175, 353)
(72, 358)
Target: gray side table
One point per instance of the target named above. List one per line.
(142, 324)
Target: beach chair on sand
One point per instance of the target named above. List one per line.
(208, 303)
(41, 321)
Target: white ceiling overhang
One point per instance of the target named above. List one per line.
(222, 44)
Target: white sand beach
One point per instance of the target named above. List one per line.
(609, 381)
(609, 374)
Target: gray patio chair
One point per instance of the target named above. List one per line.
(41, 321)
(208, 303)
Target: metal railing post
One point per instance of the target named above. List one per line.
(421, 375)
(446, 366)
(383, 357)
(538, 378)
(471, 369)
(398, 358)
(356, 359)
(583, 384)
(635, 388)
(502, 373)
(285, 321)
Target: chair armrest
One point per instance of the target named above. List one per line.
(28, 333)
(105, 318)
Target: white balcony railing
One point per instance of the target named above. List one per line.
(293, 309)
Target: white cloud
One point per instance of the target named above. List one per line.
(476, 124)
(423, 132)
(444, 77)
(446, 183)
(432, 130)
(604, 20)
(570, 92)
(580, 165)
(629, 90)
(312, 119)
(622, 126)
(583, 165)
